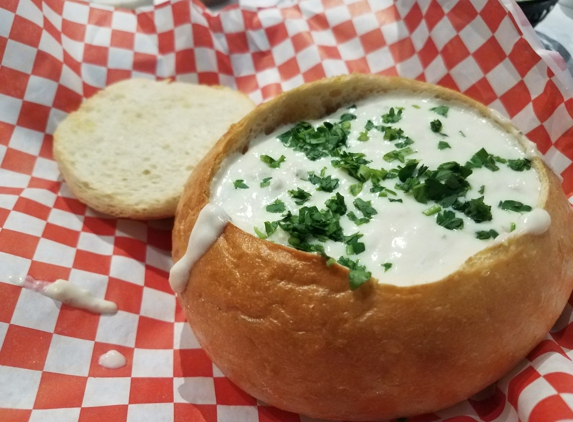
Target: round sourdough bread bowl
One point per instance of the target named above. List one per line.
(289, 331)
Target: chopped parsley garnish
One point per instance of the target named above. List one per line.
(270, 228)
(516, 206)
(365, 207)
(432, 210)
(266, 182)
(391, 133)
(355, 189)
(416, 106)
(336, 204)
(392, 116)
(463, 134)
(441, 110)
(358, 274)
(369, 125)
(352, 163)
(274, 164)
(519, 165)
(407, 141)
(443, 185)
(482, 159)
(448, 220)
(311, 222)
(353, 246)
(383, 192)
(358, 221)
(398, 154)
(512, 227)
(363, 137)
(323, 183)
(486, 234)
(443, 145)
(346, 117)
(436, 126)
(299, 195)
(475, 209)
(394, 200)
(330, 262)
(387, 266)
(239, 184)
(481, 189)
(276, 207)
(319, 142)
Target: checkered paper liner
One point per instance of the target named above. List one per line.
(54, 53)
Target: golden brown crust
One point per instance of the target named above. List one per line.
(288, 330)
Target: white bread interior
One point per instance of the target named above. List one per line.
(129, 149)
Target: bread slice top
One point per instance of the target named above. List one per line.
(130, 148)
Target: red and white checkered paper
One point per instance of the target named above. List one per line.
(54, 53)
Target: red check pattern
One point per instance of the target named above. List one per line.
(54, 53)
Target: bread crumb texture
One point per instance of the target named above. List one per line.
(129, 149)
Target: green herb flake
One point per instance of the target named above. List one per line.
(443, 145)
(486, 234)
(363, 137)
(358, 221)
(323, 183)
(369, 125)
(352, 163)
(482, 159)
(271, 227)
(441, 110)
(394, 200)
(436, 126)
(416, 106)
(272, 163)
(448, 220)
(392, 116)
(346, 117)
(432, 210)
(365, 207)
(357, 275)
(391, 133)
(475, 209)
(330, 262)
(355, 189)
(276, 207)
(516, 206)
(299, 195)
(336, 205)
(511, 227)
(519, 165)
(317, 142)
(266, 182)
(398, 154)
(481, 190)
(463, 134)
(353, 246)
(239, 184)
(387, 266)
(260, 234)
(407, 141)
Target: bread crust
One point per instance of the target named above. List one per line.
(287, 329)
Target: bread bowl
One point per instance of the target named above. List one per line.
(294, 333)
